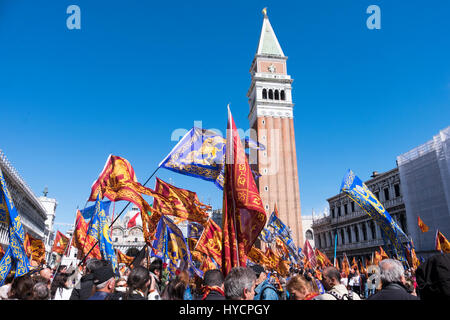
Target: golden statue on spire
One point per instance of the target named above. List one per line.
(264, 11)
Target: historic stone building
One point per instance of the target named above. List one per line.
(425, 176)
(30, 210)
(357, 234)
(128, 239)
(272, 124)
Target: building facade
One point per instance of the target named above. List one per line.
(128, 239)
(271, 120)
(356, 233)
(30, 210)
(425, 176)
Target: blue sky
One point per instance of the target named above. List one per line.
(138, 70)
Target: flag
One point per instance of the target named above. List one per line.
(15, 256)
(252, 144)
(208, 264)
(35, 249)
(411, 255)
(103, 235)
(383, 254)
(174, 249)
(309, 254)
(423, 227)
(354, 264)
(132, 222)
(336, 265)
(322, 259)
(243, 213)
(257, 256)
(442, 244)
(82, 240)
(123, 258)
(356, 190)
(179, 202)
(345, 265)
(118, 182)
(88, 212)
(2, 252)
(377, 258)
(210, 241)
(194, 230)
(266, 236)
(60, 243)
(282, 231)
(201, 154)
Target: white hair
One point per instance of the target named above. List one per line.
(391, 271)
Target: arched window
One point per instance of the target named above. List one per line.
(277, 95)
(373, 230)
(364, 230)
(282, 95)
(342, 236)
(271, 94)
(264, 93)
(349, 235)
(356, 234)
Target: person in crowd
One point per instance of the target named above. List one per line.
(60, 287)
(41, 291)
(5, 289)
(213, 287)
(344, 279)
(22, 288)
(156, 270)
(433, 278)
(392, 282)
(46, 272)
(264, 289)
(301, 289)
(174, 290)
(355, 281)
(104, 281)
(331, 279)
(138, 284)
(83, 290)
(363, 285)
(184, 277)
(240, 284)
(121, 285)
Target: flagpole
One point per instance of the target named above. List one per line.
(82, 261)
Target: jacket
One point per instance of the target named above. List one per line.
(393, 291)
(433, 278)
(85, 290)
(338, 291)
(266, 291)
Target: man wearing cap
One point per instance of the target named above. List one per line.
(264, 289)
(105, 283)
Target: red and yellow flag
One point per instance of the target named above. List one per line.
(354, 264)
(377, 258)
(210, 241)
(60, 243)
(257, 256)
(243, 213)
(82, 241)
(179, 202)
(336, 264)
(35, 249)
(123, 258)
(345, 265)
(322, 259)
(442, 244)
(207, 264)
(383, 254)
(118, 182)
(2, 252)
(423, 227)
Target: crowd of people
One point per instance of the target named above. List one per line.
(151, 281)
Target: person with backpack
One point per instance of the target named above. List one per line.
(331, 280)
(264, 290)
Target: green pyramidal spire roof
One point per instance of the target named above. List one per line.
(268, 42)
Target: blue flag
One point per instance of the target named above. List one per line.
(88, 212)
(176, 251)
(283, 232)
(194, 230)
(356, 190)
(266, 236)
(252, 144)
(201, 154)
(101, 233)
(15, 256)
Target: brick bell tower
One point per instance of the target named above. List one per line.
(272, 122)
